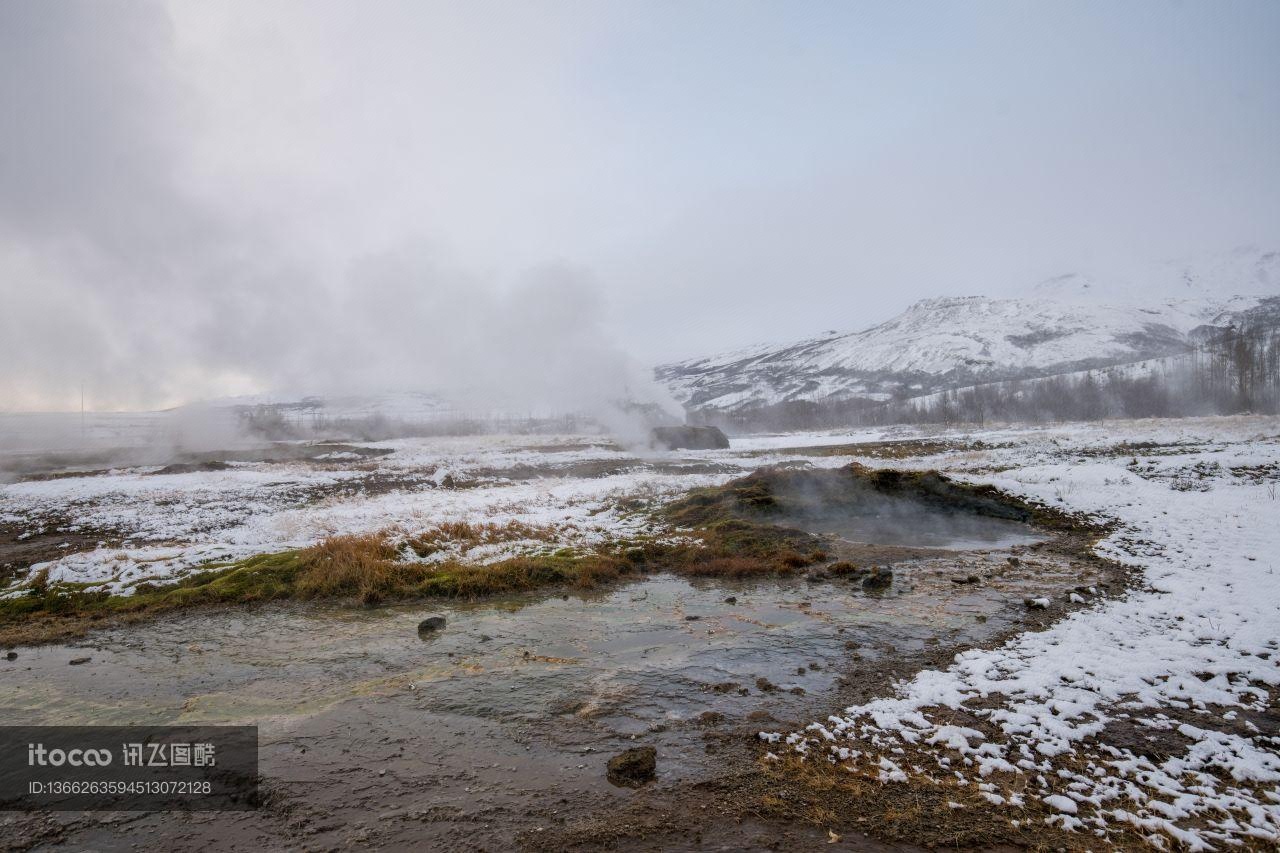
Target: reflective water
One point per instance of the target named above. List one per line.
(922, 527)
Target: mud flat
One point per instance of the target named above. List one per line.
(495, 731)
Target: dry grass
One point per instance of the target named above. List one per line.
(464, 535)
(365, 566)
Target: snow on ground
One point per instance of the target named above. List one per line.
(171, 524)
(1192, 655)
(1189, 657)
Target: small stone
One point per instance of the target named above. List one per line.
(692, 618)
(11, 656)
(733, 599)
(764, 685)
(634, 767)
(78, 661)
(431, 624)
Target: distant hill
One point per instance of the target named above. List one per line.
(1068, 324)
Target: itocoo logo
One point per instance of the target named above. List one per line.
(37, 755)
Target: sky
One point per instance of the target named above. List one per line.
(545, 199)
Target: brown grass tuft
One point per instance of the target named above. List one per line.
(364, 566)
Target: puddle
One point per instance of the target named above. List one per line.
(503, 721)
(921, 527)
(888, 508)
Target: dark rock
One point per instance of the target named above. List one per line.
(733, 599)
(11, 656)
(634, 767)
(764, 685)
(78, 661)
(484, 638)
(689, 438)
(878, 580)
(692, 618)
(431, 624)
(966, 579)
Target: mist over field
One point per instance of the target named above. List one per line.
(522, 207)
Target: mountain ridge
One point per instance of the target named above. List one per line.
(1065, 324)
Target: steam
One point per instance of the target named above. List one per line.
(122, 277)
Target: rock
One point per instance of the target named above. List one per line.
(1036, 603)
(78, 661)
(689, 438)
(634, 767)
(878, 580)
(733, 599)
(966, 579)
(431, 624)
(11, 656)
(764, 685)
(692, 618)
(1013, 561)
(484, 638)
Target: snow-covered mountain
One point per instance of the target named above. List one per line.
(1069, 323)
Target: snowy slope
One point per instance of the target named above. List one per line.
(1066, 324)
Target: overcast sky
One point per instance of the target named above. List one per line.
(199, 199)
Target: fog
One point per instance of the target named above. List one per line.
(527, 206)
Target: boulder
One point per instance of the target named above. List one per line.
(689, 438)
(634, 767)
(431, 624)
